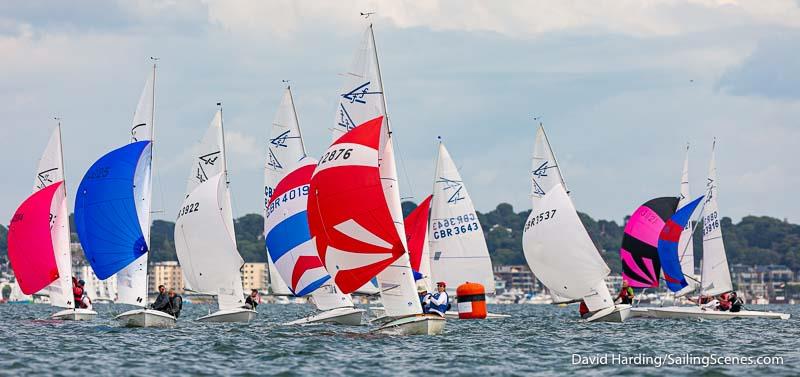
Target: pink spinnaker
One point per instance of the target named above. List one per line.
(30, 242)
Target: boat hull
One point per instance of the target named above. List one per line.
(146, 318)
(230, 315)
(454, 315)
(347, 316)
(75, 315)
(641, 313)
(614, 314)
(419, 324)
(694, 312)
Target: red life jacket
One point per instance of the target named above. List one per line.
(583, 309)
(77, 294)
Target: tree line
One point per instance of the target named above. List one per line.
(754, 240)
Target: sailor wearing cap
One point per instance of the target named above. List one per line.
(439, 301)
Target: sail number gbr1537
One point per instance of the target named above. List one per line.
(454, 226)
(544, 216)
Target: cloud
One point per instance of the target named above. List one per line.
(770, 71)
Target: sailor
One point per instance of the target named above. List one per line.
(175, 303)
(253, 300)
(439, 301)
(424, 296)
(736, 302)
(724, 302)
(162, 301)
(78, 293)
(584, 310)
(625, 295)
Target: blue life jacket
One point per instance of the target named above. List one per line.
(439, 308)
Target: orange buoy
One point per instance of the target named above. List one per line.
(471, 299)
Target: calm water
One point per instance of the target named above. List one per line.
(537, 340)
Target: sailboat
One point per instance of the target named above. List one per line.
(205, 241)
(38, 237)
(556, 245)
(113, 217)
(458, 251)
(357, 234)
(288, 243)
(362, 102)
(715, 275)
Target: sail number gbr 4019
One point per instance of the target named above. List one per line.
(454, 226)
(287, 196)
(544, 216)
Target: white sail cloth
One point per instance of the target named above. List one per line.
(205, 248)
(458, 248)
(559, 250)
(716, 276)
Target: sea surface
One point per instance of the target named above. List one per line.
(538, 340)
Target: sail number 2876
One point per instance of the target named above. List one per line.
(335, 154)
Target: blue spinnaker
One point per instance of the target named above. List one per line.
(105, 211)
(668, 251)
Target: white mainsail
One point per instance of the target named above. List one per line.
(362, 99)
(132, 280)
(206, 251)
(458, 248)
(686, 241)
(545, 172)
(560, 252)
(716, 277)
(205, 240)
(51, 170)
(284, 150)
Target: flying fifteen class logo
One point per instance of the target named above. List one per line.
(207, 159)
(45, 178)
(456, 186)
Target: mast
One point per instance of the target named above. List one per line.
(152, 157)
(380, 78)
(296, 120)
(224, 155)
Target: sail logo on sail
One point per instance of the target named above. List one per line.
(280, 140)
(133, 131)
(273, 161)
(357, 95)
(45, 178)
(450, 184)
(345, 120)
(207, 159)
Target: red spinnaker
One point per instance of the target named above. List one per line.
(347, 210)
(30, 243)
(416, 231)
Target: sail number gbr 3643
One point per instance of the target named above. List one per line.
(544, 216)
(454, 226)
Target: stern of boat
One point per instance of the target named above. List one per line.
(419, 324)
(230, 315)
(146, 318)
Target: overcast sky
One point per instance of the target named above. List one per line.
(621, 86)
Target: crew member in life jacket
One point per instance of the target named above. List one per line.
(439, 301)
(79, 295)
(583, 310)
(736, 302)
(175, 303)
(625, 295)
(253, 300)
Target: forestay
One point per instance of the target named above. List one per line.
(558, 249)
(458, 248)
(716, 277)
(205, 248)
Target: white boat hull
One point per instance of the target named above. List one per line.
(146, 318)
(230, 315)
(615, 314)
(420, 324)
(454, 315)
(75, 315)
(348, 316)
(695, 312)
(641, 313)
